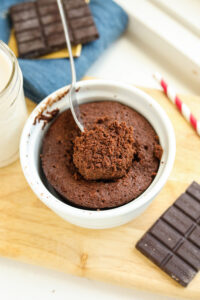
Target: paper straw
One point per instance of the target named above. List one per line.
(182, 107)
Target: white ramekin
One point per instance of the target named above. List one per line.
(95, 90)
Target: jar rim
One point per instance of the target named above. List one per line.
(7, 51)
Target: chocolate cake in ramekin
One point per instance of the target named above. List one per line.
(75, 193)
(61, 170)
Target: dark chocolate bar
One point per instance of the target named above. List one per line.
(38, 27)
(173, 242)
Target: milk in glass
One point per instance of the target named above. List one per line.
(13, 110)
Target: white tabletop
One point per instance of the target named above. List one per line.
(19, 281)
(125, 60)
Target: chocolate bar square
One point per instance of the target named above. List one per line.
(173, 242)
(38, 27)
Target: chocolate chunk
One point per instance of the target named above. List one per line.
(81, 22)
(177, 219)
(29, 25)
(38, 46)
(154, 250)
(47, 9)
(78, 13)
(24, 15)
(177, 269)
(194, 190)
(73, 4)
(190, 253)
(83, 34)
(173, 242)
(27, 36)
(188, 205)
(166, 234)
(38, 27)
(195, 236)
(22, 7)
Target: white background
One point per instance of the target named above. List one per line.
(129, 61)
(19, 281)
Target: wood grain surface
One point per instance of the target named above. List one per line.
(32, 233)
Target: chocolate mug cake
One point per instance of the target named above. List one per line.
(110, 164)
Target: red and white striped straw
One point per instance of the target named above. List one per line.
(182, 107)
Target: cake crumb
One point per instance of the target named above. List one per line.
(158, 151)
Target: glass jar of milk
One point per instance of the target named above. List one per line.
(13, 110)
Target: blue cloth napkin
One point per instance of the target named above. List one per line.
(42, 77)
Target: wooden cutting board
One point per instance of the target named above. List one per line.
(32, 233)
